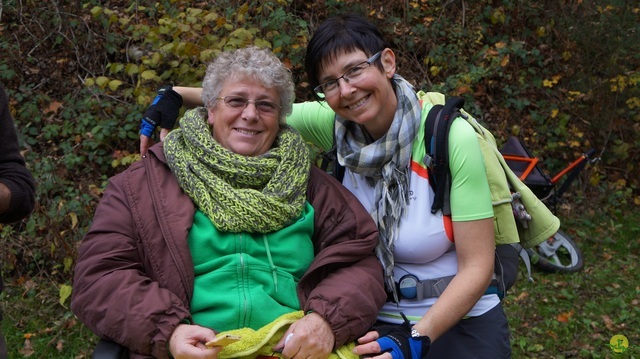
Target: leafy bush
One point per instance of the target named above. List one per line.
(563, 76)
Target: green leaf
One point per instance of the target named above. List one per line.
(102, 81)
(68, 262)
(115, 68)
(96, 10)
(114, 84)
(65, 293)
(207, 55)
(132, 69)
(148, 74)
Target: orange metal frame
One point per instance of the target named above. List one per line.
(533, 161)
(532, 164)
(557, 177)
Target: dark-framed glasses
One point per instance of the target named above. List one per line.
(240, 103)
(351, 76)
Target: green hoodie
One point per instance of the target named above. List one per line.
(247, 279)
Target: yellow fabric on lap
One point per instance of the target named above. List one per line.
(261, 342)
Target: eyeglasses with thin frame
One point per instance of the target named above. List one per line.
(351, 76)
(240, 103)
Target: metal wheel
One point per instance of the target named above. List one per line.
(558, 254)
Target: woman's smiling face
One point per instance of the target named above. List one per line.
(245, 130)
(370, 101)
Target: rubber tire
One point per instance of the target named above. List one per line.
(549, 264)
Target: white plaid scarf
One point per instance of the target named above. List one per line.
(385, 164)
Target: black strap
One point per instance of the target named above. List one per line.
(437, 128)
(331, 157)
(430, 140)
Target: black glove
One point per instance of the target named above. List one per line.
(397, 340)
(163, 111)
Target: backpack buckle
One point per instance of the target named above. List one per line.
(428, 160)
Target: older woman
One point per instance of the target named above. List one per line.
(225, 225)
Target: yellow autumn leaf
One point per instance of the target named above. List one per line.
(74, 220)
(65, 293)
(505, 61)
(633, 102)
(114, 84)
(435, 70)
(554, 113)
(132, 69)
(68, 264)
(148, 74)
(102, 81)
(96, 10)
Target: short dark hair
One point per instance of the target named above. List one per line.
(343, 33)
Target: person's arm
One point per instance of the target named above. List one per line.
(475, 251)
(472, 216)
(344, 284)
(314, 120)
(112, 292)
(187, 342)
(191, 96)
(163, 112)
(5, 198)
(17, 186)
(17, 193)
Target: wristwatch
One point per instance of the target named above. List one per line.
(414, 333)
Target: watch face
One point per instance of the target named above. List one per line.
(408, 286)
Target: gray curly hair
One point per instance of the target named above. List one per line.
(249, 62)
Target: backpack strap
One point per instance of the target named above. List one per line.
(436, 142)
(331, 157)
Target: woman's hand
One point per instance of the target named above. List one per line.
(309, 337)
(187, 341)
(367, 345)
(396, 341)
(163, 112)
(146, 141)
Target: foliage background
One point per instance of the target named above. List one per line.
(564, 76)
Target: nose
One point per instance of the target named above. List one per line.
(250, 111)
(346, 88)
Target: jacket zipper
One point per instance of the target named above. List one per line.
(243, 280)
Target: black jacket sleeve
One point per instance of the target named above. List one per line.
(13, 172)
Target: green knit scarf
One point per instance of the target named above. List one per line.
(239, 193)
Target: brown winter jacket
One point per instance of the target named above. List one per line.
(134, 275)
